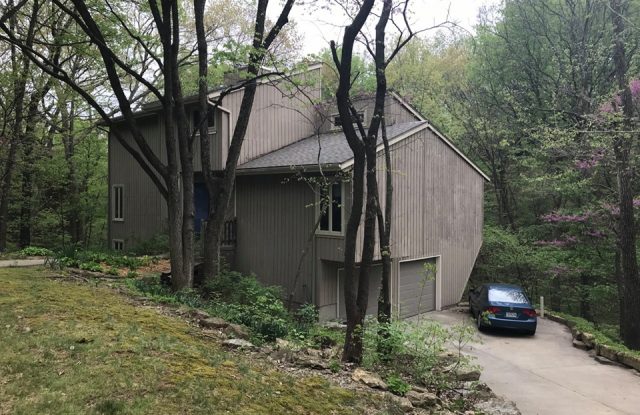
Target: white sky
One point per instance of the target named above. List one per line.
(318, 27)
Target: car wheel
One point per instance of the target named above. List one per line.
(479, 322)
(531, 332)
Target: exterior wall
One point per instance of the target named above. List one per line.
(438, 209)
(274, 222)
(395, 112)
(280, 116)
(144, 209)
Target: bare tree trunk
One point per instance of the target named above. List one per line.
(625, 174)
(221, 189)
(384, 230)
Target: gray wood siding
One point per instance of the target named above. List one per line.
(280, 116)
(144, 207)
(274, 221)
(395, 112)
(438, 209)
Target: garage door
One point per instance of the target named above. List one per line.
(417, 287)
(375, 276)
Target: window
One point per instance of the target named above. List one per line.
(337, 121)
(117, 245)
(117, 201)
(211, 120)
(331, 220)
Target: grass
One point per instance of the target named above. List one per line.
(83, 348)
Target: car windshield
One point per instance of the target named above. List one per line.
(507, 295)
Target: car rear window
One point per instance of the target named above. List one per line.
(506, 295)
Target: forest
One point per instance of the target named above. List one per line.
(544, 95)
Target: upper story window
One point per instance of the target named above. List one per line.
(337, 121)
(117, 200)
(331, 220)
(211, 120)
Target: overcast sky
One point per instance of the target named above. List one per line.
(320, 26)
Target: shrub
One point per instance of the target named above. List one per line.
(90, 266)
(412, 348)
(397, 386)
(35, 251)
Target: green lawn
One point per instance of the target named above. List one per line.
(68, 348)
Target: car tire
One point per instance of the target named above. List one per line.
(479, 322)
(531, 332)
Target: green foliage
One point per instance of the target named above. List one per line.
(239, 299)
(397, 385)
(35, 251)
(90, 266)
(77, 258)
(413, 349)
(156, 245)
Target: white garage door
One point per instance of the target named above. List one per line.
(417, 287)
(375, 276)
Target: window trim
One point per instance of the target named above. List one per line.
(114, 209)
(329, 232)
(117, 241)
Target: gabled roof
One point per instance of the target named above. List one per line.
(331, 148)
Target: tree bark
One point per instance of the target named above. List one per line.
(623, 146)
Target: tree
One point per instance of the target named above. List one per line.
(623, 146)
(363, 142)
(154, 30)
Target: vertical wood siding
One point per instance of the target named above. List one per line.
(280, 116)
(438, 209)
(274, 221)
(144, 208)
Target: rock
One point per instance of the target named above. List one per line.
(588, 339)
(199, 314)
(213, 323)
(334, 325)
(238, 344)
(635, 372)
(283, 344)
(603, 360)
(497, 406)
(370, 379)
(311, 362)
(315, 353)
(580, 345)
(403, 403)
(465, 374)
(422, 399)
(629, 360)
(577, 334)
(238, 331)
(608, 352)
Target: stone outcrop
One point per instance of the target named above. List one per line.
(370, 379)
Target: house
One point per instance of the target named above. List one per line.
(438, 200)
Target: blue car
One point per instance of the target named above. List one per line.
(502, 306)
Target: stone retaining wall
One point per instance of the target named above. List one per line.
(587, 341)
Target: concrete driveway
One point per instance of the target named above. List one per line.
(545, 375)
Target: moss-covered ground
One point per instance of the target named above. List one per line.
(78, 348)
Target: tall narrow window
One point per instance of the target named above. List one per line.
(331, 220)
(118, 202)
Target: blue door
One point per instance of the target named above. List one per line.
(201, 205)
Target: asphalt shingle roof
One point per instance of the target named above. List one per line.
(333, 148)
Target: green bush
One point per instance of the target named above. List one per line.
(412, 348)
(90, 266)
(397, 385)
(35, 251)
